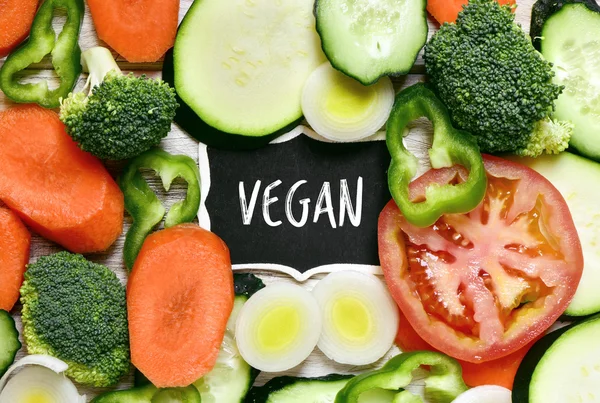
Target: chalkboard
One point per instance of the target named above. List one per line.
(299, 205)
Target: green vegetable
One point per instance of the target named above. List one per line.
(450, 146)
(188, 394)
(150, 394)
(232, 377)
(42, 40)
(75, 310)
(143, 205)
(243, 75)
(9, 341)
(139, 394)
(123, 115)
(288, 389)
(493, 81)
(567, 35)
(369, 39)
(443, 384)
(573, 175)
(567, 356)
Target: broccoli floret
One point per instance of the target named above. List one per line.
(549, 136)
(76, 310)
(495, 84)
(123, 115)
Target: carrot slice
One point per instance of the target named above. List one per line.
(61, 192)
(14, 255)
(499, 372)
(179, 298)
(16, 17)
(139, 30)
(447, 10)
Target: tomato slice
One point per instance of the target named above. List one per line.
(481, 285)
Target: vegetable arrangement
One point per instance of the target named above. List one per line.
(481, 254)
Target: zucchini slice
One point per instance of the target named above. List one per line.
(232, 377)
(368, 39)
(562, 366)
(9, 341)
(241, 65)
(568, 35)
(574, 177)
(287, 389)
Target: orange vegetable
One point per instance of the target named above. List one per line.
(61, 192)
(139, 30)
(14, 255)
(447, 10)
(16, 17)
(496, 372)
(179, 298)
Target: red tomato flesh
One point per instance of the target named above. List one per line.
(482, 285)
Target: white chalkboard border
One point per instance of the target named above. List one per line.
(204, 217)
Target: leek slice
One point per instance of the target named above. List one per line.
(340, 108)
(39, 380)
(360, 318)
(278, 327)
(485, 394)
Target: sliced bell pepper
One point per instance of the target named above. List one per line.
(42, 40)
(450, 146)
(443, 384)
(144, 206)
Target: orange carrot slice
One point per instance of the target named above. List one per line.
(61, 192)
(139, 30)
(447, 10)
(14, 255)
(16, 17)
(179, 298)
(499, 372)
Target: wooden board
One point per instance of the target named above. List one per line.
(180, 143)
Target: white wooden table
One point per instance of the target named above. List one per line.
(179, 142)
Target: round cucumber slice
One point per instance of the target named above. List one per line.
(188, 394)
(573, 360)
(241, 65)
(571, 41)
(574, 177)
(9, 341)
(368, 39)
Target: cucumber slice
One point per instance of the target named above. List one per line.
(141, 394)
(231, 378)
(287, 389)
(571, 41)
(368, 39)
(9, 341)
(241, 65)
(573, 361)
(575, 178)
(177, 395)
(522, 382)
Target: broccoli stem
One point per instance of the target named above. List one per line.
(98, 62)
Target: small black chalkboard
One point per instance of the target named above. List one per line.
(300, 206)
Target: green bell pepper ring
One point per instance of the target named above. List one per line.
(443, 384)
(144, 206)
(42, 41)
(450, 146)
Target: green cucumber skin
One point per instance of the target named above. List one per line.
(341, 68)
(520, 391)
(544, 9)
(9, 341)
(522, 382)
(193, 125)
(188, 394)
(261, 394)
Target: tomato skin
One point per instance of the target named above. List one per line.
(439, 333)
